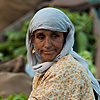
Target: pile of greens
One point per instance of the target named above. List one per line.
(83, 23)
(84, 40)
(15, 43)
(16, 97)
(88, 56)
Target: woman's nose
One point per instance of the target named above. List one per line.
(48, 42)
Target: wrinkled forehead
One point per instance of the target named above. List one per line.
(51, 19)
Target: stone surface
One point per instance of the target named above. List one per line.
(15, 65)
(14, 83)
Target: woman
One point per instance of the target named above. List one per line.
(61, 74)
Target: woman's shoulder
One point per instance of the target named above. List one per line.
(68, 61)
(67, 64)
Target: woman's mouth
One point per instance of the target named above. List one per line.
(48, 52)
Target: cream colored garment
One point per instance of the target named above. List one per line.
(67, 79)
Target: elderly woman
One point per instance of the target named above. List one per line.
(61, 74)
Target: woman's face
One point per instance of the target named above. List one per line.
(48, 43)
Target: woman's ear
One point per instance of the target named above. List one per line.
(68, 30)
(32, 37)
(65, 34)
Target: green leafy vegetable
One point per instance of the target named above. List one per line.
(88, 56)
(16, 97)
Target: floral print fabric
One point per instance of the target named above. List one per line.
(66, 79)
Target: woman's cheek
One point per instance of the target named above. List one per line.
(38, 48)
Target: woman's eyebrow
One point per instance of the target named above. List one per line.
(39, 34)
(54, 32)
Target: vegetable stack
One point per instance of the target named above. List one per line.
(14, 44)
(16, 97)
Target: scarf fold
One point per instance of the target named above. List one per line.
(54, 20)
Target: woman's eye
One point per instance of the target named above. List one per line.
(54, 36)
(40, 37)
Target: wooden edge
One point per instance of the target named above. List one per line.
(96, 32)
(16, 25)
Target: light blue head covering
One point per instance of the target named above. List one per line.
(51, 19)
(55, 20)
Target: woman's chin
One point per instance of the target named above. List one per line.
(47, 59)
